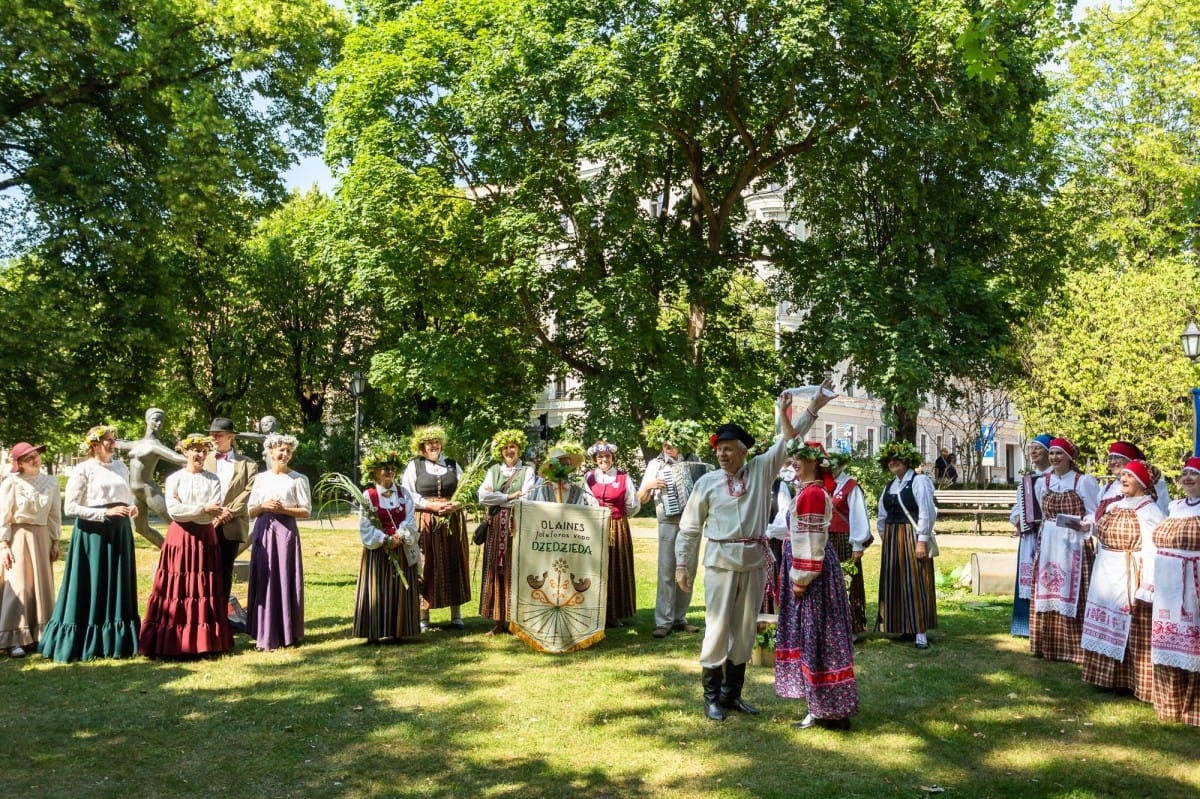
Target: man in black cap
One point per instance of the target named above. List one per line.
(236, 473)
(729, 507)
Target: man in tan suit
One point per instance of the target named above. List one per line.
(236, 473)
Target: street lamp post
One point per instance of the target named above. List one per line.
(1191, 348)
(358, 384)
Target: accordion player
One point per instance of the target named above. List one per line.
(679, 479)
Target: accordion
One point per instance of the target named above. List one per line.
(679, 479)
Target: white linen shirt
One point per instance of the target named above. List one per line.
(188, 494)
(93, 485)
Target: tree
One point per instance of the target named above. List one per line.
(603, 153)
(133, 140)
(1103, 357)
(318, 332)
(978, 404)
(928, 232)
(120, 119)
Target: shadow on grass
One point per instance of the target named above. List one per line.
(464, 714)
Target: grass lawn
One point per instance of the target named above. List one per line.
(467, 715)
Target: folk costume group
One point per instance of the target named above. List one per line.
(1106, 578)
(1109, 578)
(209, 502)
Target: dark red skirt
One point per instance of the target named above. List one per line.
(187, 612)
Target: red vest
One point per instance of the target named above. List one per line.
(610, 495)
(839, 522)
(389, 518)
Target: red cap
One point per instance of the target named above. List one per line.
(1066, 446)
(1193, 464)
(1138, 469)
(1126, 450)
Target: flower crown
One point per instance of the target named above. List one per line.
(809, 451)
(601, 446)
(98, 434)
(506, 437)
(275, 439)
(194, 440)
(379, 456)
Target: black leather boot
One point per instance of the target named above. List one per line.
(731, 691)
(712, 693)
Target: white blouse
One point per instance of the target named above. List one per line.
(1082, 484)
(30, 501)
(93, 485)
(188, 494)
(290, 488)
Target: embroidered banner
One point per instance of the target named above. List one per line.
(558, 583)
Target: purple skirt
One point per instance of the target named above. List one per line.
(275, 594)
(814, 641)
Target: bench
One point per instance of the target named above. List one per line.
(977, 503)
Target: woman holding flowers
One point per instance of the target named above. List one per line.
(388, 603)
(907, 597)
(431, 479)
(275, 594)
(814, 644)
(30, 521)
(504, 484)
(612, 488)
(96, 615)
(186, 613)
(1175, 630)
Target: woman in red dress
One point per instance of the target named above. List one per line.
(614, 490)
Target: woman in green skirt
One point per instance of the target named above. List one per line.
(96, 615)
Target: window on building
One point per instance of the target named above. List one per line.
(829, 437)
(924, 447)
(870, 441)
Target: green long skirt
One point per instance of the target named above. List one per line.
(96, 615)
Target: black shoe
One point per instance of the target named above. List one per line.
(714, 711)
(738, 704)
(458, 624)
(684, 627)
(922, 644)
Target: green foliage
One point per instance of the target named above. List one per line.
(138, 142)
(1105, 363)
(1103, 356)
(928, 228)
